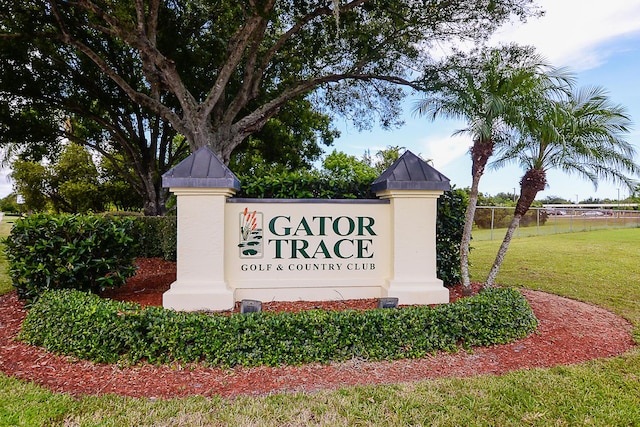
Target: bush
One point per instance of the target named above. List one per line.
(88, 253)
(304, 185)
(452, 206)
(155, 236)
(87, 326)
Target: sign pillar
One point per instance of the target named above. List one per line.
(413, 247)
(200, 280)
(202, 184)
(413, 187)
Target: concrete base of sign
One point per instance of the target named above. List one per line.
(420, 293)
(309, 294)
(194, 297)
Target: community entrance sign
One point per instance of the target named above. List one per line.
(231, 249)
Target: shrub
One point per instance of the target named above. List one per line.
(155, 236)
(87, 326)
(452, 206)
(89, 253)
(304, 185)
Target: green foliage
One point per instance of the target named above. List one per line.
(75, 180)
(304, 185)
(9, 204)
(452, 206)
(89, 253)
(555, 200)
(500, 199)
(30, 180)
(155, 236)
(68, 184)
(116, 185)
(299, 130)
(89, 327)
(347, 167)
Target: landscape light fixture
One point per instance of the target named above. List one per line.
(388, 302)
(250, 306)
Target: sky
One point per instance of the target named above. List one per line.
(598, 41)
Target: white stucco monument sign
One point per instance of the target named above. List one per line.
(231, 249)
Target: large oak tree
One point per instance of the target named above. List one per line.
(217, 71)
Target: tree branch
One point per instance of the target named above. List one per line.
(254, 121)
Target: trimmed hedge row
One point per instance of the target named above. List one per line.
(106, 331)
(305, 185)
(155, 236)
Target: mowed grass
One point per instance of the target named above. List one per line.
(599, 267)
(562, 224)
(5, 229)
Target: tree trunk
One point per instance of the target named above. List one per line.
(480, 153)
(153, 195)
(466, 236)
(533, 181)
(502, 251)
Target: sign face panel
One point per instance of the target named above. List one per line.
(307, 244)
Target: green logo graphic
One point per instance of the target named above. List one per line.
(250, 234)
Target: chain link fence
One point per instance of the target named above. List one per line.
(491, 222)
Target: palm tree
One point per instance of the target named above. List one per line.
(486, 89)
(582, 134)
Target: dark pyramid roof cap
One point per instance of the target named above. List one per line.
(410, 172)
(202, 169)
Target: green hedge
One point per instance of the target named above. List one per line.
(84, 252)
(89, 327)
(304, 185)
(155, 236)
(452, 206)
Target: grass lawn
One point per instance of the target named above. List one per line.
(562, 224)
(5, 229)
(600, 267)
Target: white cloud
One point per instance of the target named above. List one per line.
(6, 186)
(445, 150)
(572, 31)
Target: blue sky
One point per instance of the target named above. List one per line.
(598, 41)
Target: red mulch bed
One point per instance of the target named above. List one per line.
(570, 332)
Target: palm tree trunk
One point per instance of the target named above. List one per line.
(533, 181)
(466, 235)
(502, 251)
(481, 151)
